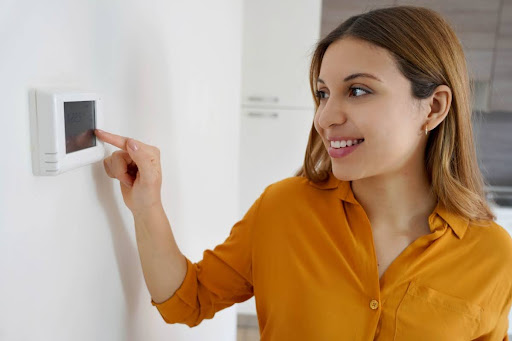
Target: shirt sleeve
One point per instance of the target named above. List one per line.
(223, 277)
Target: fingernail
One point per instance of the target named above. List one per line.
(132, 145)
(99, 130)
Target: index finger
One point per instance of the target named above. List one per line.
(113, 139)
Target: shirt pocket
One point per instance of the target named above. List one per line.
(428, 314)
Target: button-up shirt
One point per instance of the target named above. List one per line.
(306, 252)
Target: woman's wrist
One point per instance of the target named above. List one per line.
(149, 211)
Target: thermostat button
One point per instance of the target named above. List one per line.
(51, 157)
(51, 165)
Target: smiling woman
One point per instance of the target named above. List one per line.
(384, 234)
(381, 81)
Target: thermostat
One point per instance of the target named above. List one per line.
(62, 126)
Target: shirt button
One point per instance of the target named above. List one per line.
(374, 304)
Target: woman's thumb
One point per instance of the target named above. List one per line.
(143, 157)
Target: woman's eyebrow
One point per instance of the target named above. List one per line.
(355, 75)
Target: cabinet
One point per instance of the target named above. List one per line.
(279, 38)
(502, 83)
(272, 147)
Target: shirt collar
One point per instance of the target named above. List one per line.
(458, 224)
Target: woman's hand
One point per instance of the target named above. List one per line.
(137, 167)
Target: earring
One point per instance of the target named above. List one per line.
(426, 131)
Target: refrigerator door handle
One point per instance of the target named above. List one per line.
(269, 99)
(263, 114)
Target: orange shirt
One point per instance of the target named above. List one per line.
(306, 252)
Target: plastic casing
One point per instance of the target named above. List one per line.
(47, 127)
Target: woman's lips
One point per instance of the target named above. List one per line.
(343, 151)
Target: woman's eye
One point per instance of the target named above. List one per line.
(357, 88)
(321, 94)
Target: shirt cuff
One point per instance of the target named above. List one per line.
(180, 307)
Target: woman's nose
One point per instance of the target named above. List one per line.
(330, 115)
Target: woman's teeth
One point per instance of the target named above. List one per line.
(342, 144)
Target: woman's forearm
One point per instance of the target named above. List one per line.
(163, 265)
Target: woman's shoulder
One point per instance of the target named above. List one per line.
(493, 233)
(287, 187)
(295, 185)
(296, 192)
(494, 241)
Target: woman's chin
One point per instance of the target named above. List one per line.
(342, 174)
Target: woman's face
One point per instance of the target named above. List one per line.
(381, 111)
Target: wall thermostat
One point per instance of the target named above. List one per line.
(62, 127)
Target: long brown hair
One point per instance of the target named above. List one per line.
(428, 53)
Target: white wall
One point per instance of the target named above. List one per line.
(169, 74)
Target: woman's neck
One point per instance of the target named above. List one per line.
(397, 201)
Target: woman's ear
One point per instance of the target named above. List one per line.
(439, 104)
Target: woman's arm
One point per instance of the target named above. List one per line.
(163, 265)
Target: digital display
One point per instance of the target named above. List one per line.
(79, 118)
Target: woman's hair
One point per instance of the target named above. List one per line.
(428, 53)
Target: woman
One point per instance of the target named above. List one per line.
(383, 235)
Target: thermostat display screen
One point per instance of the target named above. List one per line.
(79, 118)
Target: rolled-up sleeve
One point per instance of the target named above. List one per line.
(223, 277)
